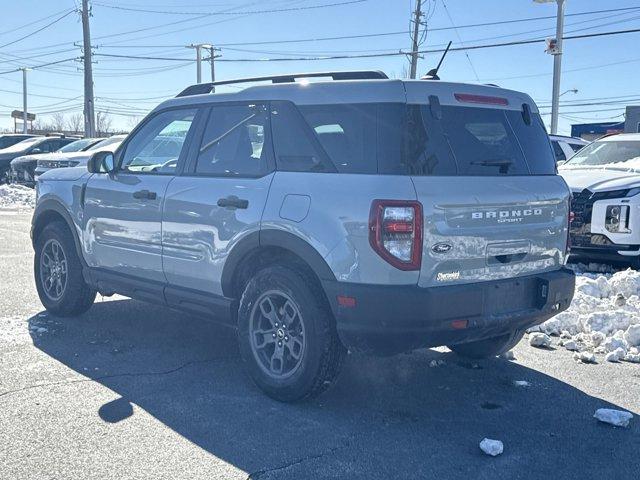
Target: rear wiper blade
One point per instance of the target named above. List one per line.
(504, 164)
(493, 163)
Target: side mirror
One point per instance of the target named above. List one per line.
(36, 150)
(101, 162)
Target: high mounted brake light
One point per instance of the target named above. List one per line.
(483, 99)
(395, 232)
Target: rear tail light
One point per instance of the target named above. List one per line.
(395, 232)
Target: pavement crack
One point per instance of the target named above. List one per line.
(331, 451)
(106, 377)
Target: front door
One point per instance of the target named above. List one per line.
(123, 209)
(219, 200)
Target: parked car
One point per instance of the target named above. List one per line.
(373, 215)
(29, 146)
(565, 147)
(23, 168)
(605, 180)
(64, 158)
(8, 139)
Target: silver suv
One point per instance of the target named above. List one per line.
(359, 213)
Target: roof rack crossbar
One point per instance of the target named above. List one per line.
(203, 88)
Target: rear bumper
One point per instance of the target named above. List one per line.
(393, 319)
(610, 253)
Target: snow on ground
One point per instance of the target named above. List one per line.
(17, 196)
(603, 319)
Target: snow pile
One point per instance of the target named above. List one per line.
(17, 196)
(604, 318)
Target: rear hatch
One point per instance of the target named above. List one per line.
(485, 174)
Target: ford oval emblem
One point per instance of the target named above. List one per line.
(441, 247)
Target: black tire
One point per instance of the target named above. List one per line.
(321, 357)
(76, 297)
(489, 347)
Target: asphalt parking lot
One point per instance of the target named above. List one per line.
(131, 390)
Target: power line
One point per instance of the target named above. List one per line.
(390, 54)
(404, 32)
(38, 30)
(35, 21)
(473, 69)
(250, 12)
(40, 66)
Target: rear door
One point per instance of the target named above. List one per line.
(493, 205)
(219, 199)
(123, 210)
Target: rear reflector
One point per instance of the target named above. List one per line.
(483, 99)
(459, 324)
(345, 301)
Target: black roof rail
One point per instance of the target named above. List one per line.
(203, 88)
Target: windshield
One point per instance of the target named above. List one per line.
(23, 145)
(77, 146)
(109, 144)
(612, 154)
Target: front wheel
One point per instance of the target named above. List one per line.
(489, 347)
(287, 335)
(58, 273)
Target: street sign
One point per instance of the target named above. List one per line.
(19, 115)
(552, 46)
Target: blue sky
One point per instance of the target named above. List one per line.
(600, 68)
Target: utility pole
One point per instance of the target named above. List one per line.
(555, 49)
(212, 52)
(557, 68)
(89, 107)
(24, 100)
(198, 47)
(415, 34)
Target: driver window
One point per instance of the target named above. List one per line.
(157, 146)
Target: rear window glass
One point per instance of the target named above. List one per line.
(475, 142)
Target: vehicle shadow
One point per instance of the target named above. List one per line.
(385, 418)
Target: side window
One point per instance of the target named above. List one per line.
(348, 133)
(47, 146)
(235, 141)
(158, 145)
(557, 149)
(297, 149)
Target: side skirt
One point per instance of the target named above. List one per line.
(216, 308)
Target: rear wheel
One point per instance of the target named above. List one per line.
(287, 335)
(58, 273)
(489, 347)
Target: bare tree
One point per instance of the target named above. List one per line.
(58, 121)
(75, 123)
(103, 123)
(133, 121)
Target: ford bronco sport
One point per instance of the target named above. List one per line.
(359, 213)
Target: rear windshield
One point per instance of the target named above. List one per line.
(476, 141)
(400, 139)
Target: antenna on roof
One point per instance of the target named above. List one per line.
(433, 73)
